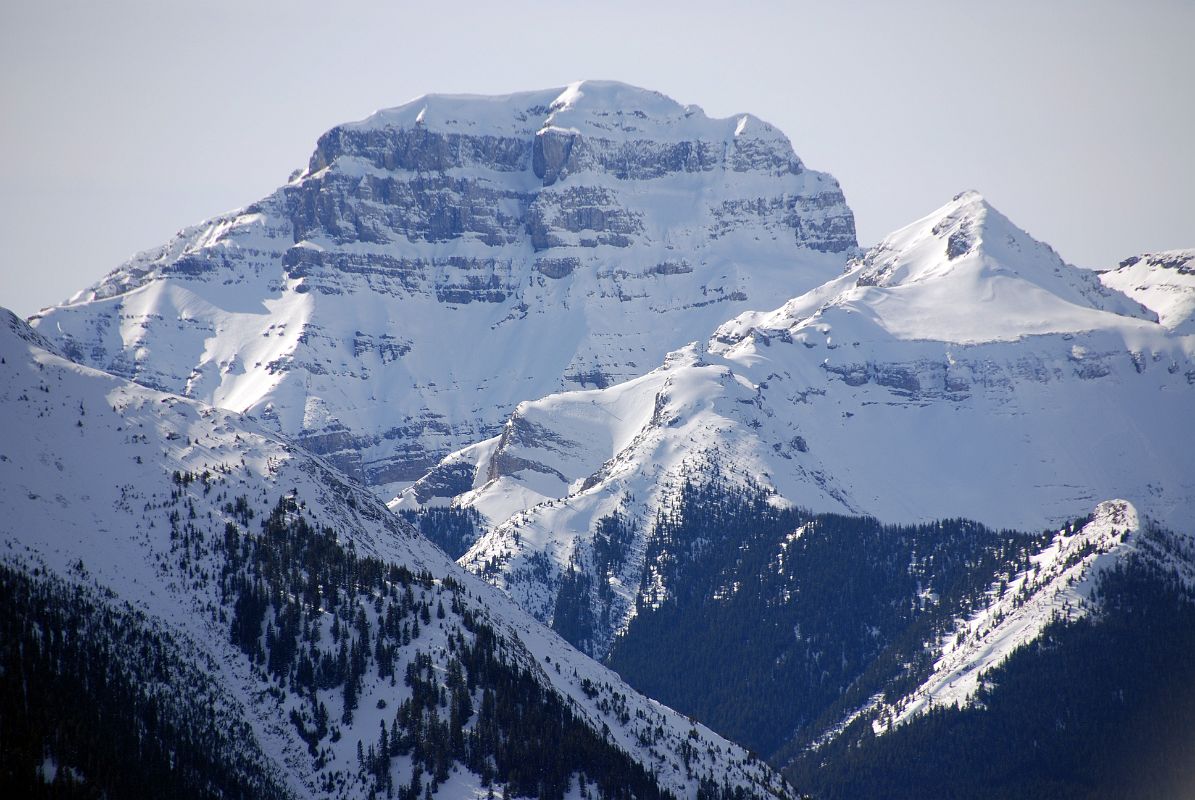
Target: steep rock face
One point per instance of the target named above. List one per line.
(1163, 282)
(213, 571)
(959, 369)
(378, 305)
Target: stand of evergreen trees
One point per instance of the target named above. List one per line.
(478, 706)
(453, 530)
(584, 605)
(97, 701)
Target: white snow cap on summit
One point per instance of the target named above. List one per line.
(602, 109)
(965, 274)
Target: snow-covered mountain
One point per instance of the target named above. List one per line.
(1163, 281)
(959, 369)
(256, 619)
(441, 261)
(550, 318)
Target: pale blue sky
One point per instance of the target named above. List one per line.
(124, 121)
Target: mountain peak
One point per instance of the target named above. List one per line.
(968, 224)
(537, 103)
(969, 196)
(976, 256)
(1164, 282)
(964, 273)
(613, 95)
(599, 109)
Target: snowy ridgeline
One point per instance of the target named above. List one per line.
(1061, 583)
(341, 651)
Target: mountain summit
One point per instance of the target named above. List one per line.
(574, 115)
(965, 274)
(376, 306)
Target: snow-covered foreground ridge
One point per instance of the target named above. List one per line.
(1060, 584)
(151, 500)
(959, 369)
(441, 261)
